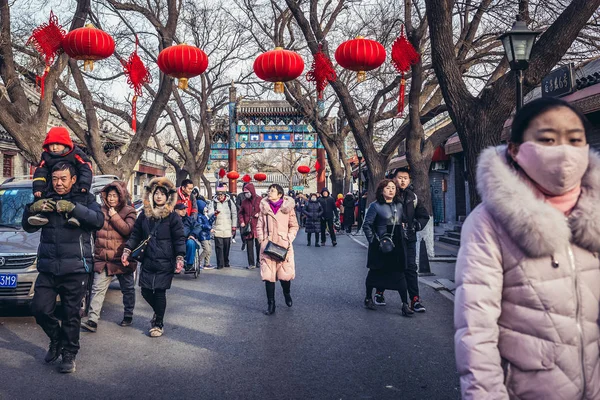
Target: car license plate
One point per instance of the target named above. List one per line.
(8, 281)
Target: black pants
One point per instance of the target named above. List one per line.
(251, 245)
(308, 235)
(222, 246)
(327, 223)
(412, 276)
(71, 288)
(158, 301)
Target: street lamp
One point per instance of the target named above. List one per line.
(359, 155)
(517, 46)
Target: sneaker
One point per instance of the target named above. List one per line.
(67, 364)
(379, 299)
(89, 326)
(233, 240)
(317, 245)
(37, 220)
(228, 266)
(334, 244)
(127, 321)
(156, 331)
(53, 351)
(73, 221)
(416, 305)
(369, 304)
(209, 267)
(251, 267)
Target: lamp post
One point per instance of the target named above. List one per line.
(517, 46)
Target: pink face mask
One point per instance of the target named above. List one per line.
(556, 169)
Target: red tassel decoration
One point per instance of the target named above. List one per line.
(321, 72)
(137, 75)
(404, 56)
(47, 40)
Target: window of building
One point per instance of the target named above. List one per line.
(7, 165)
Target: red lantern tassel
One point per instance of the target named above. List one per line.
(134, 113)
(401, 96)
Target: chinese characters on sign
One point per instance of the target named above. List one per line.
(559, 82)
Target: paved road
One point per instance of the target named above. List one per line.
(218, 344)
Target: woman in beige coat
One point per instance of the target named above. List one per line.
(277, 223)
(528, 274)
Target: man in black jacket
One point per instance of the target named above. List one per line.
(414, 219)
(64, 262)
(328, 204)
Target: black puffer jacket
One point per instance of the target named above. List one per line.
(66, 249)
(379, 220)
(329, 208)
(415, 215)
(168, 242)
(313, 212)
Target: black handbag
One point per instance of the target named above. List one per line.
(140, 251)
(273, 250)
(246, 230)
(386, 241)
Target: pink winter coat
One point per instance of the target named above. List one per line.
(282, 228)
(527, 302)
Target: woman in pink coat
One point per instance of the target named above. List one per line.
(277, 223)
(528, 273)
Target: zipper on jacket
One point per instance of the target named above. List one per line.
(85, 266)
(578, 323)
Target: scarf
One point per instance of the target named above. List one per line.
(565, 202)
(184, 199)
(276, 205)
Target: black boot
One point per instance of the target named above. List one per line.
(286, 286)
(270, 287)
(67, 365)
(53, 351)
(288, 299)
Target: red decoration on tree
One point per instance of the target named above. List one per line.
(304, 169)
(246, 178)
(89, 44)
(260, 177)
(317, 166)
(321, 72)
(278, 66)
(360, 55)
(404, 56)
(137, 75)
(222, 173)
(47, 40)
(233, 175)
(182, 62)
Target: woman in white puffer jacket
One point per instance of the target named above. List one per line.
(528, 273)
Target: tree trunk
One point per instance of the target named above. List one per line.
(182, 174)
(337, 181)
(376, 174)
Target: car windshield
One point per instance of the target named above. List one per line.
(12, 204)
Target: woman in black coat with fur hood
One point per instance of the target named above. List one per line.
(165, 251)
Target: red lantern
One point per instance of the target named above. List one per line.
(233, 175)
(404, 56)
(360, 55)
(137, 75)
(303, 169)
(222, 173)
(246, 178)
(182, 62)
(260, 177)
(317, 166)
(278, 66)
(47, 40)
(88, 44)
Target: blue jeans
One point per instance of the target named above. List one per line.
(190, 251)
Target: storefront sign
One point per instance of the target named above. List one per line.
(559, 82)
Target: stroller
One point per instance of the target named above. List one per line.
(196, 267)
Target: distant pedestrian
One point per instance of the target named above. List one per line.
(225, 225)
(527, 274)
(277, 224)
(313, 212)
(386, 258)
(349, 204)
(191, 231)
(248, 218)
(119, 219)
(206, 226)
(329, 212)
(64, 262)
(186, 196)
(165, 251)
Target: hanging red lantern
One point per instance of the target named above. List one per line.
(233, 175)
(317, 166)
(360, 55)
(182, 62)
(89, 44)
(47, 40)
(246, 178)
(404, 56)
(137, 75)
(260, 177)
(303, 169)
(222, 173)
(321, 72)
(278, 66)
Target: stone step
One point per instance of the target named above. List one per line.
(446, 239)
(453, 234)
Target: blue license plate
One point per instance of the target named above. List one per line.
(8, 281)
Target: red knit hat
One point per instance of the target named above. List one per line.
(59, 135)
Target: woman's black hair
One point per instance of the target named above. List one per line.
(164, 190)
(534, 109)
(278, 188)
(379, 192)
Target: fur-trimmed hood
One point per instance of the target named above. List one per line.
(536, 227)
(288, 205)
(121, 188)
(162, 212)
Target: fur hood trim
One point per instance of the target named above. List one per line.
(121, 188)
(162, 212)
(288, 205)
(536, 227)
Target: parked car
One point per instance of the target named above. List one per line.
(18, 249)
